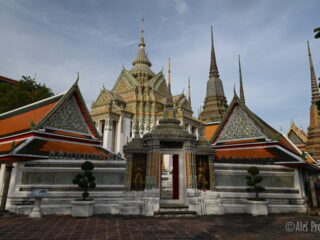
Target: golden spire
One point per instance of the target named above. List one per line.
(169, 111)
(314, 85)
(141, 43)
(169, 73)
(213, 65)
(189, 91)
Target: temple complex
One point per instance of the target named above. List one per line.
(152, 156)
(138, 97)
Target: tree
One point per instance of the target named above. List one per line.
(317, 31)
(252, 181)
(85, 180)
(25, 92)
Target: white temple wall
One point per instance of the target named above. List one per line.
(284, 188)
(56, 176)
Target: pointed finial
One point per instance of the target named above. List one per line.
(234, 91)
(314, 86)
(189, 91)
(242, 98)
(78, 77)
(182, 91)
(169, 72)
(141, 43)
(213, 65)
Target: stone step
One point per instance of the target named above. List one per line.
(176, 209)
(175, 212)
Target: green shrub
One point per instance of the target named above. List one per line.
(85, 180)
(253, 181)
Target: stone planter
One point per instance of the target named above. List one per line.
(82, 208)
(257, 208)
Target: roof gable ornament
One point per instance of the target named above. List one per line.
(242, 98)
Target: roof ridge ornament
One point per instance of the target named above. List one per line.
(242, 98)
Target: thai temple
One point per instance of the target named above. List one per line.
(152, 156)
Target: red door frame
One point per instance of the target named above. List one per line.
(175, 177)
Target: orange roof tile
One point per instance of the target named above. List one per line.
(55, 146)
(240, 141)
(22, 121)
(247, 153)
(209, 130)
(69, 134)
(6, 147)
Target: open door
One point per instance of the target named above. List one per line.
(175, 177)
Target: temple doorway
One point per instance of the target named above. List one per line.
(169, 176)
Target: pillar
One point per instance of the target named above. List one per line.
(107, 137)
(313, 191)
(119, 135)
(7, 177)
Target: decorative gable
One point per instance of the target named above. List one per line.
(104, 97)
(124, 83)
(295, 138)
(158, 83)
(239, 126)
(68, 117)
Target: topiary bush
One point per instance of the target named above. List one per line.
(85, 180)
(253, 181)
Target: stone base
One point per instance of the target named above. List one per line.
(82, 208)
(257, 208)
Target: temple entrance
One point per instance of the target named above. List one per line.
(169, 176)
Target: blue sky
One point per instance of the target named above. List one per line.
(57, 39)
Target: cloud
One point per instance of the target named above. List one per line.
(181, 6)
(58, 39)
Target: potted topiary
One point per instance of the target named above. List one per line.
(84, 207)
(255, 206)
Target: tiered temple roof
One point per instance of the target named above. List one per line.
(56, 127)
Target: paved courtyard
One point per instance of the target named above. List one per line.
(242, 227)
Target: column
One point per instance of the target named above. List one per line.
(193, 171)
(2, 171)
(7, 177)
(211, 173)
(188, 169)
(119, 140)
(129, 172)
(313, 191)
(107, 137)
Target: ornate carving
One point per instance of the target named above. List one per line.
(239, 126)
(294, 138)
(68, 117)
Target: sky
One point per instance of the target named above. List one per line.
(53, 40)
